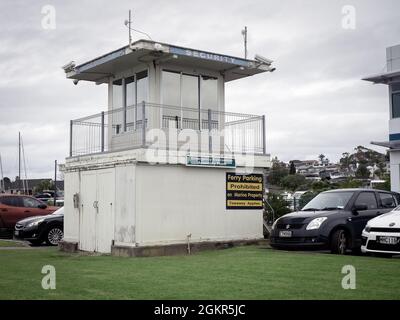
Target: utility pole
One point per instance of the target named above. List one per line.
(55, 181)
(244, 33)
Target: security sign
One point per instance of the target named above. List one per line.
(244, 191)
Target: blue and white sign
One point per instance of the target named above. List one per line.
(215, 162)
(208, 56)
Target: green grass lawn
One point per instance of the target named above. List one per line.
(9, 243)
(238, 273)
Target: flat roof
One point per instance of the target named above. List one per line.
(385, 77)
(145, 51)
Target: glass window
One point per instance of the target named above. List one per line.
(11, 201)
(396, 105)
(30, 202)
(209, 93)
(387, 200)
(130, 102)
(190, 91)
(171, 96)
(141, 91)
(368, 199)
(329, 200)
(117, 94)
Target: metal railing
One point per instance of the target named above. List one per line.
(136, 126)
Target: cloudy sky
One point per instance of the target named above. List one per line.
(314, 102)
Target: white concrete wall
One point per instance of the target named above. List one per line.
(71, 215)
(395, 170)
(125, 204)
(174, 201)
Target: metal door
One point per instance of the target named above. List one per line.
(88, 212)
(105, 212)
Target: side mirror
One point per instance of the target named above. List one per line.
(42, 206)
(359, 207)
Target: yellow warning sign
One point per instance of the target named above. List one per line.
(244, 191)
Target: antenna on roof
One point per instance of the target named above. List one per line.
(128, 24)
(244, 34)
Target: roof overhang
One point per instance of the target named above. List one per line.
(145, 51)
(385, 78)
(394, 145)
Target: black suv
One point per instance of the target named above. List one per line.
(332, 220)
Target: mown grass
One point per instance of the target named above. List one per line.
(10, 243)
(238, 273)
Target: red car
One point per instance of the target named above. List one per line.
(17, 207)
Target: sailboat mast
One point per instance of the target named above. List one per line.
(19, 160)
(2, 185)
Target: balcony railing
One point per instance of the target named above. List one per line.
(148, 125)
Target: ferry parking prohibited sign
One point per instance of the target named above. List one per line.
(244, 191)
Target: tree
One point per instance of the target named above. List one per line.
(292, 169)
(345, 161)
(293, 182)
(362, 171)
(44, 185)
(306, 198)
(279, 205)
(350, 183)
(321, 158)
(277, 172)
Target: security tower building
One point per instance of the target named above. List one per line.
(166, 168)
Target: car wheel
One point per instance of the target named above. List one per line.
(54, 235)
(339, 242)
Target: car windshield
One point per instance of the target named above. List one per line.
(328, 201)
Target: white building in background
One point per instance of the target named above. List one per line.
(392, 79)
(166, 164)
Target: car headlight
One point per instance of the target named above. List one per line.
(35, 223)
(274, 224)
(367, 228)
(315, 223)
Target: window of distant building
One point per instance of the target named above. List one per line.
(395, 87)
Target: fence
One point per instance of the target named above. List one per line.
(136, 126)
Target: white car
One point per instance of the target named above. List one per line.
(382, 234)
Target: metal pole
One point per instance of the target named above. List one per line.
(143, 124)
(2, 185)
(55, 181)
(245, 41)
(19, 161)
(102, 131)
(129, 22)
(209, 132)
(124, 105)
(71, 123)
(263, 134)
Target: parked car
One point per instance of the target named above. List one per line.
(334, 220)
(17, 207)
(43, 196)
(38, 229)
(382, 234)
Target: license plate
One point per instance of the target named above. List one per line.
(16, 233)
(285, 234)
(388, 240)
